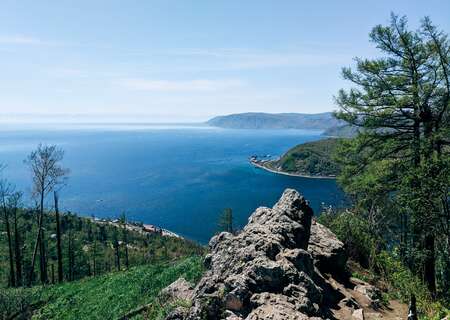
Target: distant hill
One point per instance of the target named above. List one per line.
(313, 159)
(255, 120)
(342, 131)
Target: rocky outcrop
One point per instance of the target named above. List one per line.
(327, 250)
(178, 290)
(279, 267)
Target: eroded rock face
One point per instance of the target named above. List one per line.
(327, 250)
(264, 272)
(271, 269)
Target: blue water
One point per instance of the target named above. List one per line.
(179, 178)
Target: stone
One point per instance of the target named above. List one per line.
(276, 268)
(178, 290)
(327, 250)
(358, 314)
(372, 293)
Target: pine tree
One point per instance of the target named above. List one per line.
(401, 104)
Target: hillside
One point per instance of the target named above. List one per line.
(109, 296)
(308, 159)
(341, 131)
(252, 120)
(89, 246)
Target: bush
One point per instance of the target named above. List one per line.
(362, 247)
(354, 232)
(403, 283)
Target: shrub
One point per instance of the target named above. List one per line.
(354, 232)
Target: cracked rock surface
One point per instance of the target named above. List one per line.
(266, 271)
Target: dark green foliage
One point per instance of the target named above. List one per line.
(354, 231)
(386, 267)
(397, 169)
(312, 158)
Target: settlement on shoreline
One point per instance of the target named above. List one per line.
(138, 227)
(262, 164)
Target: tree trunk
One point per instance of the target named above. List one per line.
(125, 240)
(94, 253)
(58, 240)
(430, 264)
(117, 254)
(53, 273)
(17, 252)
(10, 249)
(70, 256)
(38, 240)
(43, 259)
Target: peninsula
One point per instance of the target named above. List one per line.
(308, 160)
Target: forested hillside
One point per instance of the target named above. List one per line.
(89, 247)
(309, 159)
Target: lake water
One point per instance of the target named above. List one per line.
(176, 177)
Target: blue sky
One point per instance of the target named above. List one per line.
(185, 60)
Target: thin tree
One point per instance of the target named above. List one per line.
(70, 255)
(226, 220)
(58, 238)
(5, 193)
(14, 203)
(47, 173)
(123, 221)
(116, 246)
(94, 252)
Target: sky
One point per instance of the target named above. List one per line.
(185, 60)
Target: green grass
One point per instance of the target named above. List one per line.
(108, 296)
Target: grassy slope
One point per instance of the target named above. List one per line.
(312, 158)
(112, 295)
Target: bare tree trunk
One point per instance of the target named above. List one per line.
(58, 240)
(17, 252)
(70, 256)
(412, 310)
(117, 257)
(43, 259)
(38, 240)
(125, 240)
(10, 249)
(94, 253)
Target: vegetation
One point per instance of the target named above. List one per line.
(226, 220)
(90, 247)
(109, 296)
(397, 168)
(68, 247)
(344, 131)
(387, 271)
(311, 159)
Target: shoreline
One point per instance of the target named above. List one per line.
(137, 227)
(261, 166)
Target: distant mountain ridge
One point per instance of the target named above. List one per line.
(260, 120)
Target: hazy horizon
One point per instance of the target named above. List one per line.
(184, 61)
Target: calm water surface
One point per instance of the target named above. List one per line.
(176, 177)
